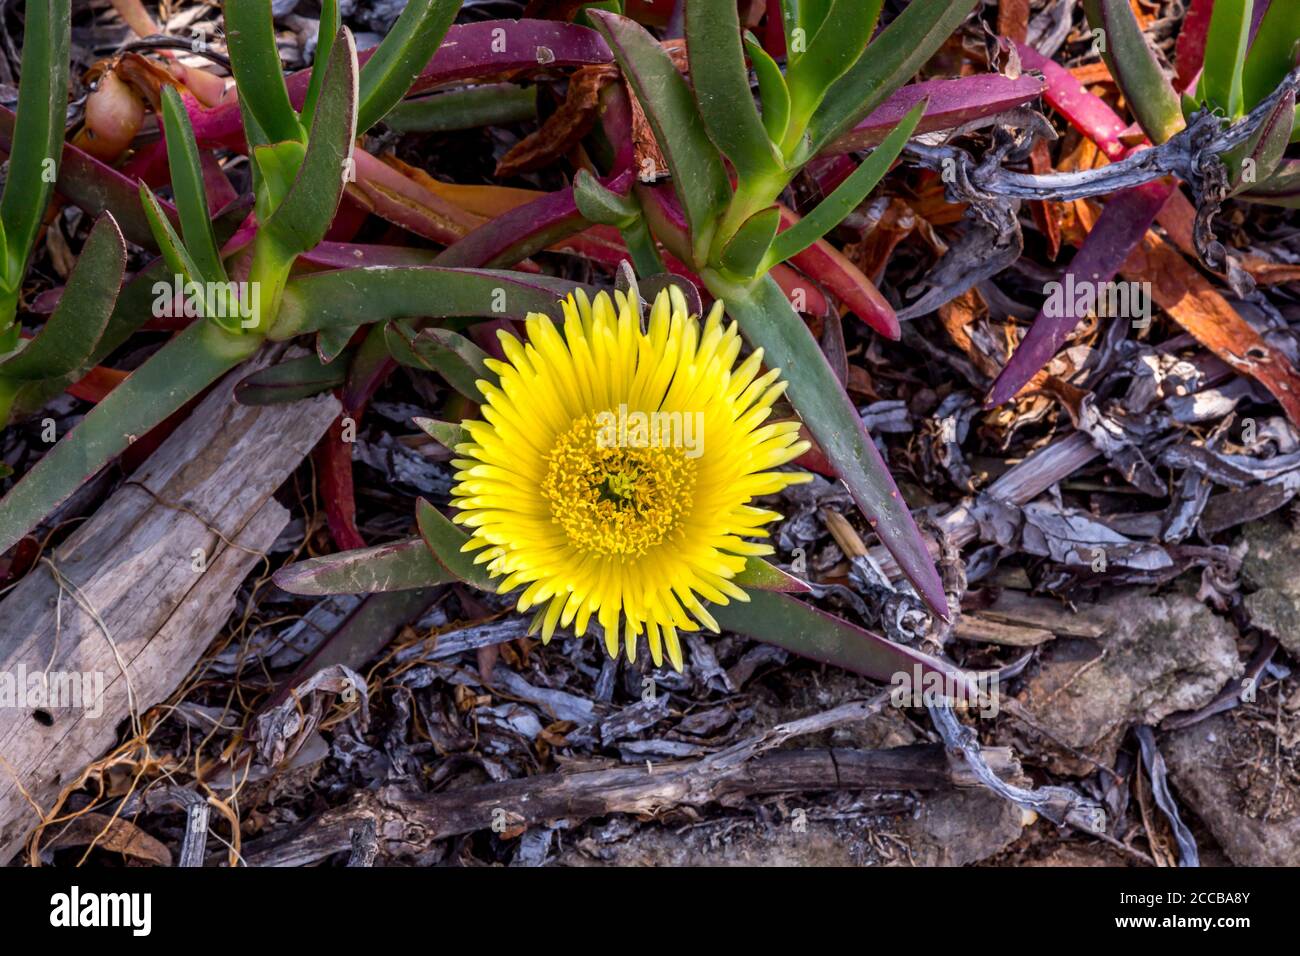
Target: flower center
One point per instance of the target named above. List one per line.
(616, 500)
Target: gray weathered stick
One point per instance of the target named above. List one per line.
(114, 618)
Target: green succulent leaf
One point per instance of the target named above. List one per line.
(830, 212)
(766, 576)
(398, 60)
(401, 566)
(173, 250)
(445, 541)
(68, 339)
(259, 74)
(601, 205)
(1225, 56)
(1272, 53)
(275, 166)
(768, 322)
(290, 381)
(1149, 92)
(326, 30)
(841, 36)
(776, 618)
(302, 218)
(1256, 159)
(698, 174)
(458, 360)
(347, 298)
(744, 253)
(446, 434)
(187, 186)
(717, 61)
(37, 139)
(492, 104)
(772, 90)
(900, 50)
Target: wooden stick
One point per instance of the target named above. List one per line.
(115, 618)
(408, 821)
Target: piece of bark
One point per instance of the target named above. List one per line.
(159, 564)
(407, 821)
(976, 627)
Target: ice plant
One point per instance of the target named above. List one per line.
(616, 472)
(729, 232)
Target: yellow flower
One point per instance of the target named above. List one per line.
(614, 472)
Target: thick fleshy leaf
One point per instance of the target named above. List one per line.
(768, 322)
(525, 230)
(492, 104)
(38, 133)
(446, 434)
(1225, 55)
(64, 345)
(772, 91)
(259, 74)
(187, 186)
(400, 566)
(1280, 189)
(173, 375)
(1150, 94)
(698, 174)
(174, 253)
(779, 619)
(354, 297)
(327, 28)
(830, 212)
(899, 51)
(397, 61)
(765, 576)
(1087, 113)
(1256, 159)
(1122, 224)
(1273, 51)
(290, 381)
(744, 253)
(840, 39)
(303, 217)
(469, 50)
(601, 205)
(722, 92)
(445, 541)
(458, 360)
(949, 103)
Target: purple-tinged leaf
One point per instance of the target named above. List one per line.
(1123, 222)
(525, 230)
(776, 618)
(399, 566)
(468, 50)
(1085, 112)
(952, 102)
